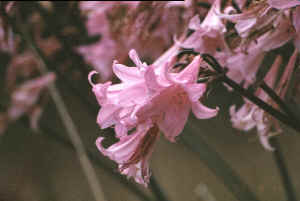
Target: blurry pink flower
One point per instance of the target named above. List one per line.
(208, 35)
(296, 23)
(283, 4)
(24, 100)
(243, 67)
(244, 64)
(250, 115)
(248, 20)
(127, 25)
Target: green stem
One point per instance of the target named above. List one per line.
(283, 171)
(217, 165)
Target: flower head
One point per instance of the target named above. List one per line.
(150, 98)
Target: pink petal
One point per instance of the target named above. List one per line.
(132, 95)
(272, 74)
(151, 80)
(121, 151)
(283, 4)
(195, 91)
(173, 121)
(296, 23)
(107, 115)
(136, 170)
(126, 74)
(190, 73)
(195, 23)
(35, 116)
(203, 112)
(100, 91)
(286, 77)
(120, 130)
(263, 134)
(135, 58)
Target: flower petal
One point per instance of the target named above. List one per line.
(190, 73)
(283, 4)
(151, 80)
(195, 91)
(173, 121)
(126, 74)
(203, 112)
(135, 58)
(107, 115)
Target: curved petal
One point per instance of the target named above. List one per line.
(135, 58)
(140, 172)
(121, 151)
(127, 74)
(100, 91)
(106, 116)
(203, 112)
(190, 73)
(263, 134)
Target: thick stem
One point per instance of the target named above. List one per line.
(264, 106)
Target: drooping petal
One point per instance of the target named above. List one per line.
(35, 115)
(107, 115)
(203, 112)
(264, 136)
(100, 90)
(136, 170)
(242, 118)
(173, 121)
(121, 151)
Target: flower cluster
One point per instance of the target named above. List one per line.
(131, 25)
(149, 99)
(159, 97)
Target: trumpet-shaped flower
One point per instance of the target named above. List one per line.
(150, 99)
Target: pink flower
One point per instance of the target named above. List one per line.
(126, 25)
(244, 64)
(133, 152)
(172, 96)
(148, 99)
(208, 35)
(24, 101)
(251, 116)
(283, 4)
(118, 102)
(296, 23)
